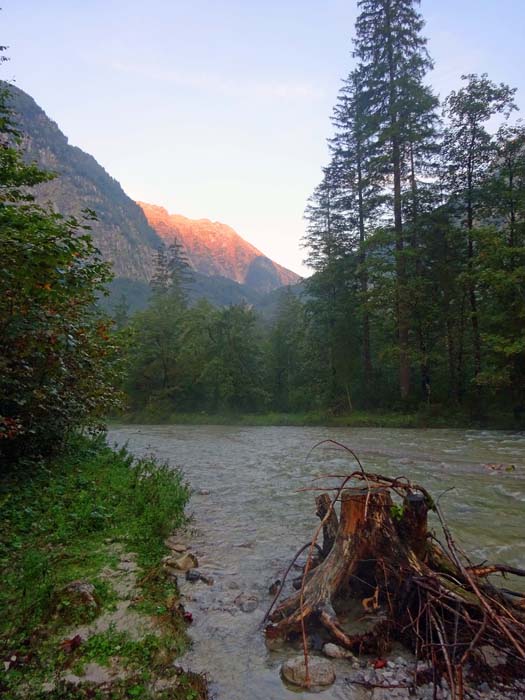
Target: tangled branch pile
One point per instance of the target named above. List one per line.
(435, 601)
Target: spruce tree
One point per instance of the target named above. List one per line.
(393, 61)
(173, 274)
(353, 164)
(327, 244)
(469, 149)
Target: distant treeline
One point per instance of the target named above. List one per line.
(416, 234)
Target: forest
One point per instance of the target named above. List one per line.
(415, 234)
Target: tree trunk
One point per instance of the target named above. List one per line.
(367, 359)
(401, 301)
(476, 337)
(363, 525)
(331, 526)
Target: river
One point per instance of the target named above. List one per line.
(249, 518)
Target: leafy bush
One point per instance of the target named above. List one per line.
(58, 358)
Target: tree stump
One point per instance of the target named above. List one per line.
(363, 524)
(330, 527)
(432, 598)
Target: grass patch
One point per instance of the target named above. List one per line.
(59, 522)
(433, 417)
(147, 654)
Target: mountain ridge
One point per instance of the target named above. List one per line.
(215, 248)
(122, 231)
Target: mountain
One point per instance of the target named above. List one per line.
(122, 232)
(228, 269)
(213, 248)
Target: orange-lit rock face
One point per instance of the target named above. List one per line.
(213, 248)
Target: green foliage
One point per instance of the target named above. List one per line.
(143, 654)
(397, 511)
(287, 373)
(58, 360)
(416, 238)
(66, 521)
(185, 358)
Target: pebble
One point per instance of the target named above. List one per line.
(247, 602)
(333, 651)
(399, 672)
(193, 576)
(175, 545)
(272, 590)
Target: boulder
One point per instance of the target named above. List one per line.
(320, 670)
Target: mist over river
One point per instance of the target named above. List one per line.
(249, 520)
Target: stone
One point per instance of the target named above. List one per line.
(247, 602)
(272, 590)
(193, 575)
(92, 673)
(492, 656)
(391, 694)
(181, 562)
(127, 566)
(333, 651)
(175, 545)
(82, 593)
(320, 671)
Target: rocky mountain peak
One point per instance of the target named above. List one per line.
(214, 248)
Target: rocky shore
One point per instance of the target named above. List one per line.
(395, 678)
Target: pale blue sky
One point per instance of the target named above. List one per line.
(221, 109)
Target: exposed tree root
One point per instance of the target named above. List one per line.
(433, 599)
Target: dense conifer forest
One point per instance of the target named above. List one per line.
(415, 234)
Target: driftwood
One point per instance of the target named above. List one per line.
(425, 594)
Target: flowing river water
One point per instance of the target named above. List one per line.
(249, 519)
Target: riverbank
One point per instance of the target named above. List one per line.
(357, 419)
(88, 610)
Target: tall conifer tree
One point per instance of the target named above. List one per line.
(353, 164)
(393, 61)
(469, 149)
